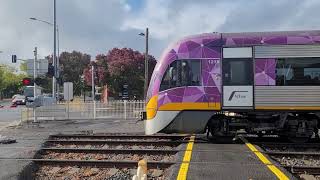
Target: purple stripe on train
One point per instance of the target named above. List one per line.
(208, 48)
(265, 72)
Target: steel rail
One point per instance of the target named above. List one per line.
(160, 142)
(279, 144)
(120, 136)
(314, 170)
(101, 163)
(109, 151)
(292, 153)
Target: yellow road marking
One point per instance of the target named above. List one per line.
(265, 160)
(183, 171)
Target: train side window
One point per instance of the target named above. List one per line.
(182, 73)
(195, 73)
(298, 72)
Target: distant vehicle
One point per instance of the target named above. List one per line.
(19, 99)
(28, 92)
(60, 97)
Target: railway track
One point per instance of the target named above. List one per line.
(299, 159)
(106, 156)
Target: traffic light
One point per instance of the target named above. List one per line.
(27, 81)
(14, 58)
(50, 70)
(96, 77)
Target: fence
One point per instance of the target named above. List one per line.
(88, 110)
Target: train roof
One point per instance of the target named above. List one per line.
(257, 38)
(272, 33)
(216, 39)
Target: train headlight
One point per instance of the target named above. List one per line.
(152, 107)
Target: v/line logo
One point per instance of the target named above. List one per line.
(233, 94)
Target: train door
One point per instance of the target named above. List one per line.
(237, 78)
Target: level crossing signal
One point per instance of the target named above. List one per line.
(27, 81)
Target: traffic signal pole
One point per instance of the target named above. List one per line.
(146, 66)
(34, 83)
(54, 51)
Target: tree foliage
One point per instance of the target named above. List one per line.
(119, 67)
(72, 66)
(10, 81)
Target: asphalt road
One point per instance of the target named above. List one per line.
(8, 115)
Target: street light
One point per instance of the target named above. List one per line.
(146, 76)
(55, 62)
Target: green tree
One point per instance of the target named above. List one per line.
(23, 67)
(72, 66)
(10, 81)
(119, 67)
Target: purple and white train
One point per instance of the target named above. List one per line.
(263, 82)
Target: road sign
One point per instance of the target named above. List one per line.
(68, 91)
(41, 67)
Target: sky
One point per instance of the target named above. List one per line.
(96, 26)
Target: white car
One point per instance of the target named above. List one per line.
(18, 99)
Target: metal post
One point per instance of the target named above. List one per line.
(34, 84)
(93, 93)
(58, 66)
(92, 82)
(54, 51)
(68, 103)
(146, 64)
(125, 109)
(94, 110)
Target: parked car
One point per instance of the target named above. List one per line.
(19, 99)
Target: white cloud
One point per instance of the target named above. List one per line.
(87, 26)
(165, 22)
(95, 26)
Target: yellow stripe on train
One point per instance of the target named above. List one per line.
(179, 106)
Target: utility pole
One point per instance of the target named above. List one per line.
(58, 67)
(146, 65)
(57, 72)
(34, 84)
(54, 51)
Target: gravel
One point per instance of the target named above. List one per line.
(298, 160)
(73, 173)
(110, 157)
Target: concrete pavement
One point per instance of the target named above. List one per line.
(9, 116)
(31, 136)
